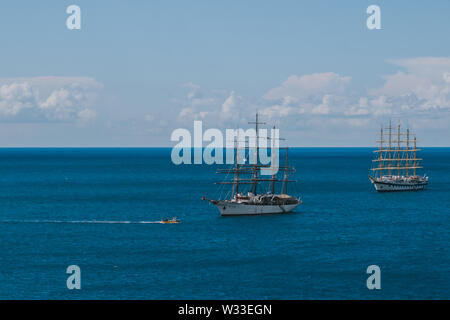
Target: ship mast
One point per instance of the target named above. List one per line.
(255, 172)
(407, 152)
(273, 161)
(415, 153)
(380, 164)
(390, 148)
(286, 173)
(398, 150)
(396, 154)
(240, 170)
(236, 175)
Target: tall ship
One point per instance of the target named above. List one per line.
(255, 194)
(396, 162)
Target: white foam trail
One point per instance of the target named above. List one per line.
(81, 221)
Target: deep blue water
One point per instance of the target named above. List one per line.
(49, 196)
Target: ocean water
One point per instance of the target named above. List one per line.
(95, 208)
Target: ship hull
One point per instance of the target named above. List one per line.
(384, 186)
(241, 209)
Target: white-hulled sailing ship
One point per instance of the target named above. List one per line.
(396, 163)
(253, 201)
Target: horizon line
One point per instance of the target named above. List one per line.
(171, 147)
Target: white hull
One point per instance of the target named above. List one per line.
(394, 187)
(397, 186)
(236, 209)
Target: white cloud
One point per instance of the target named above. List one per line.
(187, 113)
(16, 97)
(326, 104)
(214, 106)
(421, 89)
(278, 111)
(427, 67)
(446, 77)
(360, 109)
(301, 87)
(317, 94)
(86, 115)
(231, 107)
(426, 80)
(47, 98)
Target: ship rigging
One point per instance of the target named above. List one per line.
(254, 202)
(396, 162)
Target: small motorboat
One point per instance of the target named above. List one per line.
(173, 220)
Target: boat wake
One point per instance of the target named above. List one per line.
(81, 221)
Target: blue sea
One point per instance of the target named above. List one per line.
(96, 208)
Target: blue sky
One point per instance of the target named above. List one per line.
(139, 69)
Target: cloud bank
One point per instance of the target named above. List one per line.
(48, 99)
(419, 92)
